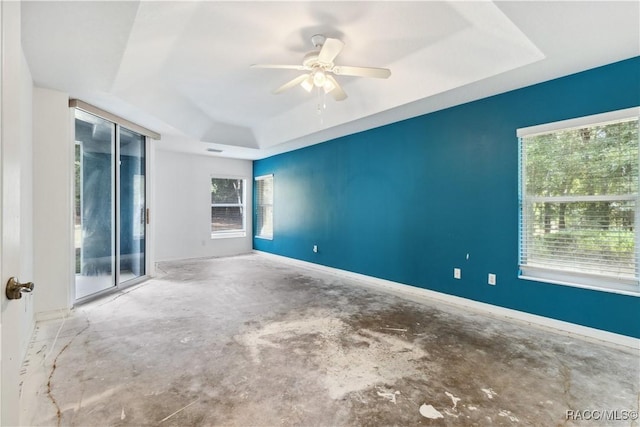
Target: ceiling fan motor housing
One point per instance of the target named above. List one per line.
(311, 60)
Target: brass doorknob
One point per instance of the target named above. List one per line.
(15, 288)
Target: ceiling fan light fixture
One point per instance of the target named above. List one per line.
(307, 84)
(328, 86)
(319, 78)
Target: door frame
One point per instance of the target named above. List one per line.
(149, 135)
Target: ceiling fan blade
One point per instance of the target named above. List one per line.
(292, 83)
(282, 67)
(330, 49)
(337, 92)
(344, 70)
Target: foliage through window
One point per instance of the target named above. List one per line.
(579, 195)
(227, 206)
(264, 206)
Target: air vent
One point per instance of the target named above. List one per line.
(214, 150)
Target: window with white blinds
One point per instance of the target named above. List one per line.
(264, 206)
(228, 207)
(578, 201)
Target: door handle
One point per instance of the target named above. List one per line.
(15, 289)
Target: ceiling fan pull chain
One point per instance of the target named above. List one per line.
(321, 106)
(319, 100)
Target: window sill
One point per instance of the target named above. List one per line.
(233, 235)
(620, 289)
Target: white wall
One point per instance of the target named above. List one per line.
(52, 202)
(182, 205)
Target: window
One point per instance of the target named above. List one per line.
(227, 207)
(578, 199)
(264, 206)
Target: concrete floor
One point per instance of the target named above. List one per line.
(250, 341)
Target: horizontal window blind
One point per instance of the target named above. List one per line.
(264, 206)
(227, 205)
(578, 199)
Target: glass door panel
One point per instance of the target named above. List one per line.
(94, 204)
(132, 205)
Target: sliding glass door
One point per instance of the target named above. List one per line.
(110, 205)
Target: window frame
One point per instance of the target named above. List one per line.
(225, 234)
(555, 275)
(259, 205)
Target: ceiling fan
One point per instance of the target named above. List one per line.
(319, 66)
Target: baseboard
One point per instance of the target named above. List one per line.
(414, 293)
(52, 314)
(201, 257)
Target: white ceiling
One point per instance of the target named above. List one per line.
(182, 68)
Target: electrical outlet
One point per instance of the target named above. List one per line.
(457, 273)
(492, 279)
(315, 249)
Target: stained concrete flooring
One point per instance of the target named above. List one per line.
(249, 341)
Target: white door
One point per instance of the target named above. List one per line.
(14, 313)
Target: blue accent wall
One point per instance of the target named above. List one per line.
(408, 201)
